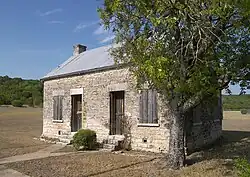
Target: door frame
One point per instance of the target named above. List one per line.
(73, 118)
(113, 116)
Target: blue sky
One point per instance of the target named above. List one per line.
(37, 36)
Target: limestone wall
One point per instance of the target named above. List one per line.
(96, 88)
(205, 126)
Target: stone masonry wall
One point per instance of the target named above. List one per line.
(205, 128)
(206, 125)
(96, 87)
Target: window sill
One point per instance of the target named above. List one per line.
(57, 121)
(148, 125)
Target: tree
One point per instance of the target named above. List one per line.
(187, 50)
(26, 91)
(17, 103)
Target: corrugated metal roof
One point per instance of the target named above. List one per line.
(88, 60)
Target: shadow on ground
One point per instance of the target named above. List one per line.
(231, 145)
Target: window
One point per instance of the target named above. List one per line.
(148, 107)
(57, 107)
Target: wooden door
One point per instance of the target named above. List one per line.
(76, 117)
(116, 112)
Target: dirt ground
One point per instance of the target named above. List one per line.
(214, 162)
(18, 127)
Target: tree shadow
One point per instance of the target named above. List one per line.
(231, 145)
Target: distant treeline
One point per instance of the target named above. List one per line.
(19, 92)
(236, 102)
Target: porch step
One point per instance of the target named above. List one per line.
(65, 140)
(109, 147)
(113, 143)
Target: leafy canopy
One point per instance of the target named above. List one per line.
(187, 49)
(17, 91)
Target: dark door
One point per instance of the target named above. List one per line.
(76, 117)
(116, 112)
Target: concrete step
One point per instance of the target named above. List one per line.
(65, 140)
(116, 137)
(113, 141)
(109, 146)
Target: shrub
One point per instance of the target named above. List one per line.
(17, 103)
(243, 111)
(243, 167)
(84, 139)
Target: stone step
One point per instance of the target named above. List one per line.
(65, 136)
(116, 137)
(65, 140)
(109, 146)
(113, 141)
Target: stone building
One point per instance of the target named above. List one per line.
(90, 91)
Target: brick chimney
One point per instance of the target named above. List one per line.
(79, 49)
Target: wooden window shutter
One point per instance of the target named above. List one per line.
(145, 106)
(154, 107)
(60, 107)
(55, 107)
(150, 106)
(141, 108)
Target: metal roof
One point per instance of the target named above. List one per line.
(87, 61)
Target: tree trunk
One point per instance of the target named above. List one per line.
(176, 142)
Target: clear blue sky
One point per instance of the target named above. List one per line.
(37, 36)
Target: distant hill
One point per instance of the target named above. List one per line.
(236, 102)
(17, 91)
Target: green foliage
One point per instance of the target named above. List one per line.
(236, 102)
(187, 50)
(28, 92)
(85, 139)
(243, 167)
(17, 103)
(1, 100)
(243, 111)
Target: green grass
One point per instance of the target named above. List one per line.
(236, 102)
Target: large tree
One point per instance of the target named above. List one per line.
(189, 50)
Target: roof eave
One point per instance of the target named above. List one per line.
(77, 73)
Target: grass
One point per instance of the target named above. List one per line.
(18, 127)
(235, 115)
(112, 165)
(236, 102)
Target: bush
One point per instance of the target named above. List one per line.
(243, 167)
(243, 111)
(84, 139)
(17, 103)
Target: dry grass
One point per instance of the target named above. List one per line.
(18, 127)
(209, 163)
(235, 115)
(80, 164)
(113, 165)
